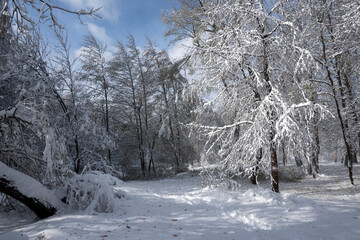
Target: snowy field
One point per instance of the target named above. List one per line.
(181, 208)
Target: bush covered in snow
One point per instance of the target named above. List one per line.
(93, 192)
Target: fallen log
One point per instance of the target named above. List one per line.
(28, 191)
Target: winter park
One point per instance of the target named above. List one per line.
(179, 119)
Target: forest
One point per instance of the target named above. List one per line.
(262, 105)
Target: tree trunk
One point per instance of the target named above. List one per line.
(151, 161)
(298, 160)
(4, 20)
(77, 156)
(141, 145)
(271, 114)
(17, 185)
(274, 167)
(255, 169)
(316, 149)
(283, 153)
(107, 119)
(138, 124)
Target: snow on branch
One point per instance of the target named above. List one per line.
(45, 9)
(218, 128)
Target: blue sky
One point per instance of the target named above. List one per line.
(119, 18)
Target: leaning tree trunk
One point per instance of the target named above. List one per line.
(28, 191)
(344, 128)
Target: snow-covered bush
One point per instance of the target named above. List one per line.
(213, 175)
(93, 192)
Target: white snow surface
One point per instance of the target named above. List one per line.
(181, 208)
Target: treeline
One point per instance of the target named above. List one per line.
(135, 98)
(122, 116)
(61, 118)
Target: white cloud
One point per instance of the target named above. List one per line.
(108, 56)
(77, 52)
(111, 48)
(179, 49)
(110, 8)
(100, 33)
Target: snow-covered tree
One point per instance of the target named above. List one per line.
(33, 151)
(169, 106)
(84, 137)
(330, 29)
(147, 89)
(253, 62)
(94, 72)
(30, 142)
(127, 99)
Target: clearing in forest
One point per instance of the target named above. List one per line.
(181, 208)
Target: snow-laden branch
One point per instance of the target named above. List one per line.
(218, 128)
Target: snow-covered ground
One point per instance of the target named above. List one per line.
(181, 208)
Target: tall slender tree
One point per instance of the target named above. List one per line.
(94, 71)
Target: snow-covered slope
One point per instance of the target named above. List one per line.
(181, 208)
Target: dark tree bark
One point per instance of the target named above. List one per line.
(283, 153)
(274, 168)
(316, 150)
(107, 118)
(255, 169)
(298, 161)
(151, 161)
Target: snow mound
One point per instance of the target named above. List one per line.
(263, 196)
(94, 192)
(270, 198)
(14, 236)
